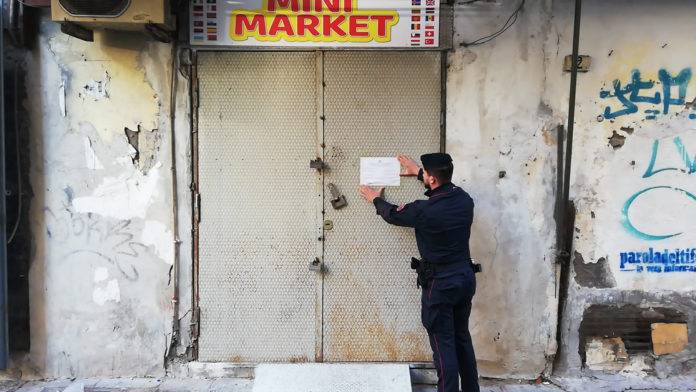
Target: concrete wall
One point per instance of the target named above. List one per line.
(102, 218)
(100, 279)
(502, 111)
(633, 169)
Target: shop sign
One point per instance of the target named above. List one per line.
(316, 23)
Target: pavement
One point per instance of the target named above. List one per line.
(608, 383)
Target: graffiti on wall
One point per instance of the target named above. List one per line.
(640, 94)
(111, 242)
(651, 260)
(689, 167)
(649, 99)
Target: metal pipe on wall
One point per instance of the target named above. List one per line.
(175, 204)
(195, 206)
(565, 220)
(4, 348)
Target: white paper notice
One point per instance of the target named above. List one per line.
(382, 171)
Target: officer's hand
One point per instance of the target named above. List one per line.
(409, 167)
(370, 194)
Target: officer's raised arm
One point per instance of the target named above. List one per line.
(409, 167)
(405, 215)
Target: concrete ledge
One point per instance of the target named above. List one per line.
(332, 378)
(211, 370)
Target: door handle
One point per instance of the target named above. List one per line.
(338, 201)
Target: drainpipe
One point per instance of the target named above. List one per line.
(171, 352)
(3, 216)
(565, 218)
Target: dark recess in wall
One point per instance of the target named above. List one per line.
(628, 322)
(595, 275)
(18, 199)
(20, 35)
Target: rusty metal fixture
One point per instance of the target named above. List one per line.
(338, 201)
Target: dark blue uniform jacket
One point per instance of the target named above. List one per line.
(442, 223)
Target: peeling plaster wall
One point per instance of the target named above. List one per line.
(100, 283)
(100, 280)
(504, 101)
(633, 170)
(631, 175)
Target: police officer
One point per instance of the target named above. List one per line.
(443, 225)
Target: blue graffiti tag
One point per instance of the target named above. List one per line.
(630, 95)
(681, 149)
(619, 93)
(637, 84)
(654, 260)
(681, 81)
(626, 221)
(689, 167)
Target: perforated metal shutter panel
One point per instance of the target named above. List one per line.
(376, 104)
(260, 206)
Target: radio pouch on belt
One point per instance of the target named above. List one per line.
(424, 271)
(475, 266)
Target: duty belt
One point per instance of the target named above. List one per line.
(427, 270)
(446, 267)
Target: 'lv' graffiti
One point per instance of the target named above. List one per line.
(689, 167)
(110, 241)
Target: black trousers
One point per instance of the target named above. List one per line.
(445, 310)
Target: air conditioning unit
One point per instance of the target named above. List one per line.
(114, 14)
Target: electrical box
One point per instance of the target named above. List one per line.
(113, 14)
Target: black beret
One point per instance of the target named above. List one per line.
(435, 160)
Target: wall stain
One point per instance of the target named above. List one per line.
(372, 341)
(595, 275)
